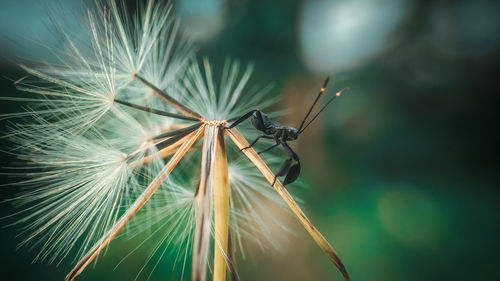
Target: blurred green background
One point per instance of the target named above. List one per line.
(402, 170)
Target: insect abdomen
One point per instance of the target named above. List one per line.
(261, 122)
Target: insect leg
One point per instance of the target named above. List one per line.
(294, 171)
(255, 141)
(269, 148)
(284, 169)
(242, 118)
(289, 150)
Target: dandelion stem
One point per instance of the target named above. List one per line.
(221, 207)
(204, 207)
(143, 198)
(155, 111)
(241, 143)
(170, 100)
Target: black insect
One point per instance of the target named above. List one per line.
(283, 134)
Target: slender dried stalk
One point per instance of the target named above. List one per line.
(169, 100)
(143, 198)
(221, 208)
(204, 207)
(241, 142)
(168, 151)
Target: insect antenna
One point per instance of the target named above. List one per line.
(314, 103)
(323, 108)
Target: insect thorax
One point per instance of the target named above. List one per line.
(290, 133)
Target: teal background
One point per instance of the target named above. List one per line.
(402, 170)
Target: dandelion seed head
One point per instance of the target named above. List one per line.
(78, 89)
(85, 153)
(74, 190)
(82, 150)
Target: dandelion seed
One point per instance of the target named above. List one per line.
(108, 125)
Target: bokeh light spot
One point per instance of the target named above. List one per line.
(341, 34)
(410, 215)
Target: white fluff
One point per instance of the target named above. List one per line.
(82, 151)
